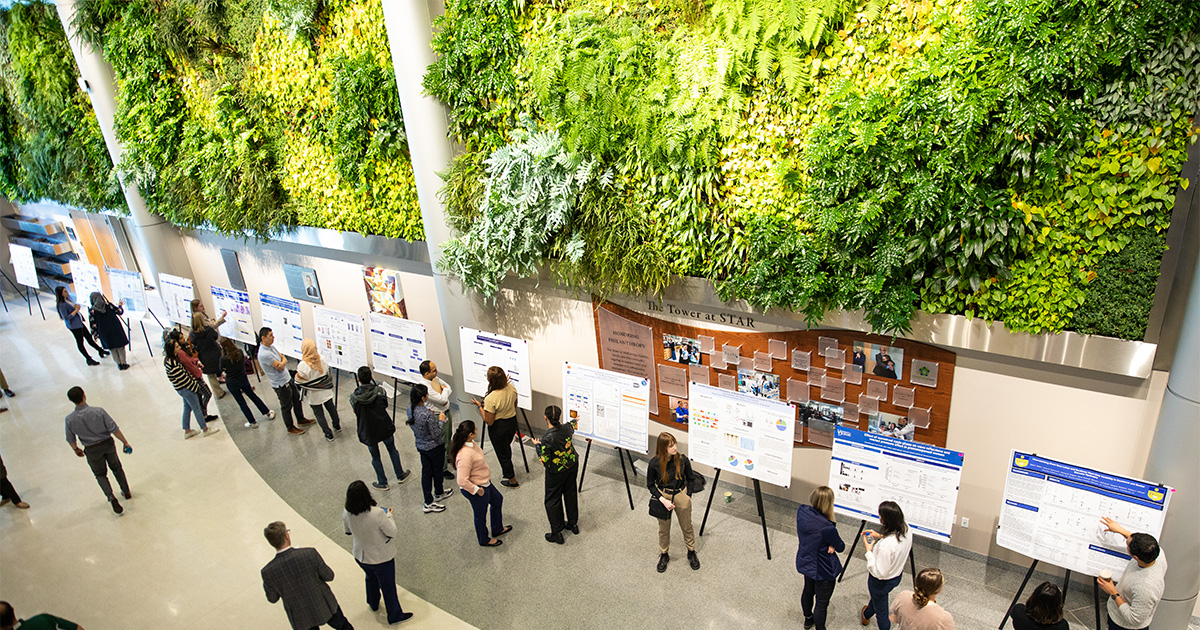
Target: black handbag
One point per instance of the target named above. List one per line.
(658, 510)
(696, 483)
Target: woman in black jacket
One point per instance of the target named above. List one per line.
(375, 425)
(233, 364)
(562, 466)
(206, 338)
(108, 328)
(667, 478)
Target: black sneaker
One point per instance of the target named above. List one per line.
(809, 622)
(663, 559)
(448, 475)
(92, 361)
(574, 528)
(555, 538)
(693, 560)
(116, 506)
(403, 617)
(404, 477)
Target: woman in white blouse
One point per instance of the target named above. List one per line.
(373, 531)
(887, 551)
(312, 375)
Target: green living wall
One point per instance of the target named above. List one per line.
(1014, 160)
(259, 115)
(50, 142)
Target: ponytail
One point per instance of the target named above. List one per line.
(461, 435)
(554, 415)
(416, 394)
(928, 583)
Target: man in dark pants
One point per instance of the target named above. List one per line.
(94, 428)
(275, 367)
(300, 578)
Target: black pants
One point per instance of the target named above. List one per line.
(431, 472)
(823, 592)
(289, 404)
(562, 489)
(241, 390)
(102, 457)
(7, 491)
(502, 432)
(338, 621)
(333, 415)
(81, 334)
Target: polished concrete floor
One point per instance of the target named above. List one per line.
(187, 551)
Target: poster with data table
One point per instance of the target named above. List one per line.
(397, 346)
(481, 350)
(923, 479)
(129, 291)
(86, 278)
(236, 304)
(177, 295)
(341, 338)
(741, 433)
(1052, 512)
(282, 316)
(607, 406)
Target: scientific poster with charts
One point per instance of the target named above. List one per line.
(129, 291)
(177, 296)
(236, 304)
(741, 433)
(607, 406)
(341, 338)
(282, 316)
(87, 281)
(1052, 512)
(397, 346)
(481, 350)
(867, 468)
(22, 262)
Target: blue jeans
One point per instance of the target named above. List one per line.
(191, 404)
(479, 505)
(377, 462)
(381, 579)
(431, 471)
(878, 606)
(240, 388)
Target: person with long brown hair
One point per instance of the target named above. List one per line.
(475, 480)
(68, 311)
(887, 549)
(499, 411)
(918, 609)
(817, 556)
(1042, 611)
(233, 364)
(206, 338)
(667, 477)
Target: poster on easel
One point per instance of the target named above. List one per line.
(128, 290)
(1052, 510)
(236, 305)
(608, 407)
(282, 316)
(397, 346)
(741, 433)
(22, 262)
(341, 338)
(177, 295)
(86, 279)
(481, 350)
(867, 468)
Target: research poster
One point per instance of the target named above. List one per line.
(481, 350)
(397, 346)
(867, 468)
(282, 316)
(607, 406)
(341, 338)
(129, 291)
(177, 296)
(741, 433)
(236, 304)
(22, 262)
(87, 281)
(1052, 510)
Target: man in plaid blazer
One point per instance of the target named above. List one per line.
(299, 577)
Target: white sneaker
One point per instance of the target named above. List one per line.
(271, 415)
(211, 430)
(443, 496)
(251, 425)
(190, 433)
(434, 507)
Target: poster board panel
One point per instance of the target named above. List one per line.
(341, 338)
(236, 305)
(606, 406)
(397, 346)
(177, 295)
(129, 290)
(481, 350)
(282, 316)
(741, 433)
(21, 258)
(86, 278)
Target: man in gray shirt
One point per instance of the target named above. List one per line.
(94, 428)
(275, 367)
(1134, 599)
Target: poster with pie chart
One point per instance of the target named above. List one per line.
(741, 433)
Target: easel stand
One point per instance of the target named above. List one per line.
(129, 334)
(762, 517)
(16, 288)
(1066, 585)
(862, 525)
(37, 298)
(621, 454)
(483, 434)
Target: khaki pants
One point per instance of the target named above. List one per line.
(683, 511)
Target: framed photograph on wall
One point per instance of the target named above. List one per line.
(302, 283)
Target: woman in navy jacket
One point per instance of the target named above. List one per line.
(817, 558)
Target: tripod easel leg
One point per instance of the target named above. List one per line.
(1017, 597)
(626, 475)
(862, 524)
(712, 491)
(762, 517)
(583, 469)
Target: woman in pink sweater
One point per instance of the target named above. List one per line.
(475, 480)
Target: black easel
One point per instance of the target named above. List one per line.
(36, 297)
(621, 454)
(15, 288)
(1066, 584)
(762, 517)
(862, 525)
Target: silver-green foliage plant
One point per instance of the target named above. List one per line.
(529, 201)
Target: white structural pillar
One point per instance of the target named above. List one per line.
(156, 243)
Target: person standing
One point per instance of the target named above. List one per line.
(206, 338)
(4, 386)
(887, 549)
(667, 477)
(186, 354)
(233, 364)
(475, 482)
(275, 367)
(917, 609)
(817, 556)
(7, 491)
(300, 578)
(427, 434)
(108, 328)
(370, 404)
(499, 411)
(439, 402)
(189, 388)
(68, 311)
(44, 621)
(1042, 611)
(561, 461)
(94, 428)
(314, 380)
(373, 531)
(1134, 599)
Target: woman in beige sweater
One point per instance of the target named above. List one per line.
(475, 480)
(917, 609)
